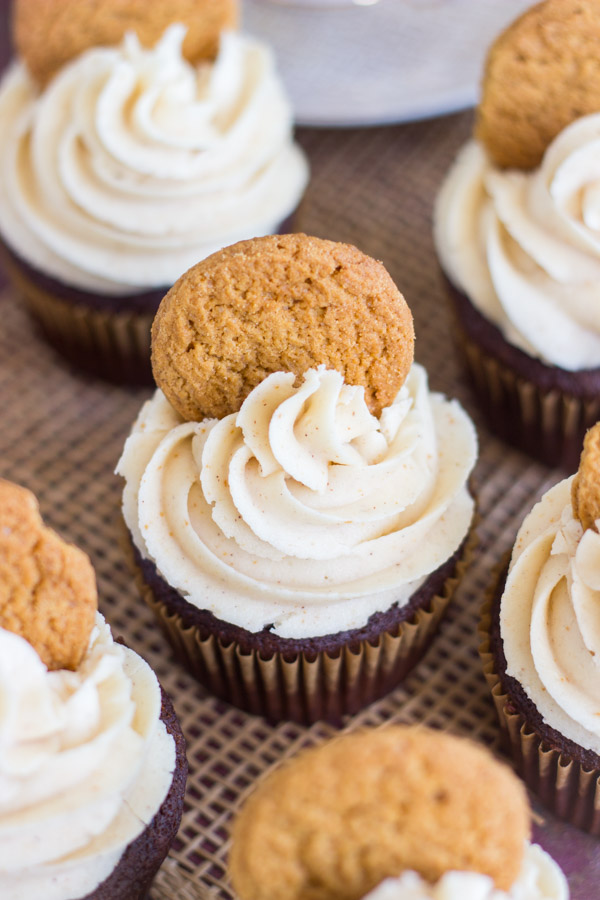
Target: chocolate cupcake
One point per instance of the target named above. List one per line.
(516, 235)
(297, 497)
(541, 645)
(93, 758)
(131, 163)
(393, 814)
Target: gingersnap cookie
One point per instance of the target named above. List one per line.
(48, 33)
(540, 75)
(279, 303)
(339, 818)
(585, 488)
(47, 587)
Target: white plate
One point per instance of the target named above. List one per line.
(391, 62)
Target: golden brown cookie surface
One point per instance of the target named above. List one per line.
(585, 488)
(338, 819)
(47, 587)
(279, 303)
(542, 73)
(49, 33)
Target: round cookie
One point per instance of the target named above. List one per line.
(541, 74)
(47, 587)
(585, 489)
(279, 303)
(339, 818)
(48, 33)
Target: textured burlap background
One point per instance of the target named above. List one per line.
(61, 435)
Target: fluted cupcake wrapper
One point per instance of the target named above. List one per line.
(549, 425)
(563, 785)
(110, 344)
(307, 686)
(542, 410)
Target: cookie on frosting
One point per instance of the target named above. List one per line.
(541, 74)
(585, 488)
(47, 587)
(279, 303)
(48, 33)
(338, 819)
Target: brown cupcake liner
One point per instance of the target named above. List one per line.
(107, 343)
(307, 686)
(549, 425)
(563, 785)
(541, 410)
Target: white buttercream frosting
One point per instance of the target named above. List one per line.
(132, 165)
(540, 879)
(550, 617)
(302, 511)
(85, 763)
(525, 246)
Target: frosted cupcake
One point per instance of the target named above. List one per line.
(297, 497)
(394, 814)
(92, 759)
(516, 229)
(542, 645)
(131, 164)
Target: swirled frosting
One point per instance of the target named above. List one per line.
(540, 879)
(85, 763)
(550, 617)
(302, 511)
(132, 164)
(525, 246)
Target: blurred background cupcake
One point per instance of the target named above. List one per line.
(541, 645)
(392, 814)
(93, 765)
(297, 497)
(137, 139)
(517, 233)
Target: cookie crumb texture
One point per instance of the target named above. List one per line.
(541, 74)
(279, 303)
(585, 488)
(49, 33)
(47, 587)
(338, 819)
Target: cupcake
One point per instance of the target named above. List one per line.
(516, 229)
(541, 645)
(297, 497)
(92, 759)
(400, 813)
(133, 157)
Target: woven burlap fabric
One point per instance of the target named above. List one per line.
(61, 435)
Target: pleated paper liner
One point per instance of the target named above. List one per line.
(108, 337)
(563, 785)
(540, 409)
(303, 686)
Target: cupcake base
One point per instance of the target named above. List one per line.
(132, 877)
(307, 680)
(564, 775)
(103, 335)
(542, 410)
